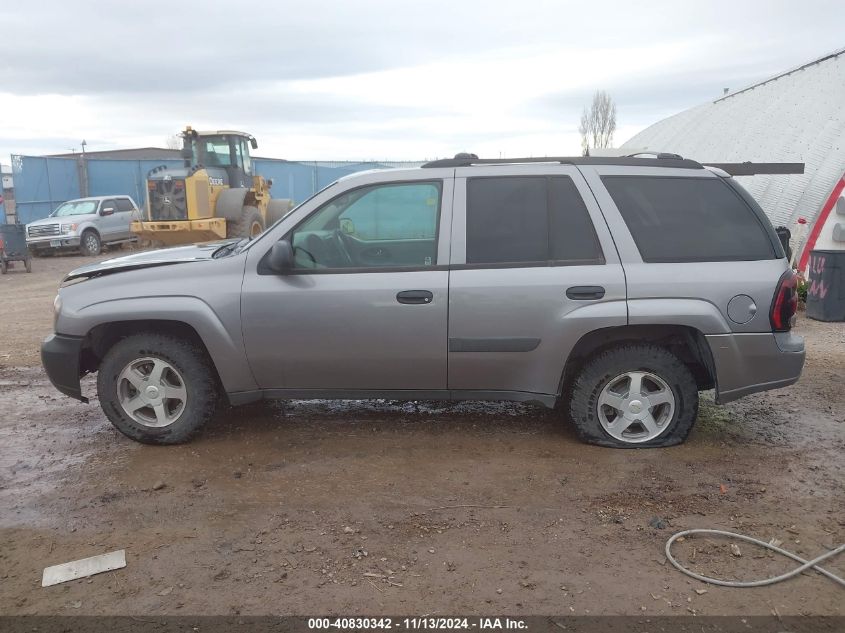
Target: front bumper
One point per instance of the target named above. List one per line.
(749, 363)
(60, 356)
(41, 243)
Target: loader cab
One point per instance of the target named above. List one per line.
(223, 153)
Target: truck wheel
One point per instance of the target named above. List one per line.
(157, 389)
(634, 396)
(90, 244)
(250, 224)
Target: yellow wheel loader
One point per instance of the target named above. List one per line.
(215, 195)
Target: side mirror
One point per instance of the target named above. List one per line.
(253, 143)
(107, 211)
(280, 259)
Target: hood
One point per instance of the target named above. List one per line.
(65, 219)
(148, 259)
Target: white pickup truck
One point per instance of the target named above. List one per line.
(85, 224)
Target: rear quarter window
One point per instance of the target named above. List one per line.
(674, 219)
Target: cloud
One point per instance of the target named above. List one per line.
(379, 78)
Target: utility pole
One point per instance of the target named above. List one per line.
(83, 172)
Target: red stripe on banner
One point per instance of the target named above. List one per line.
(820, 222)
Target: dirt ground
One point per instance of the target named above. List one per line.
(380, 507)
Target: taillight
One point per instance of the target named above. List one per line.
(785, 303)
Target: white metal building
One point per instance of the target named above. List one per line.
(796, 116)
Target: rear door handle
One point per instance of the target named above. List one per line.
(415, 296)
(583, 293)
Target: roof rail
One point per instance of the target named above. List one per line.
(667, 160)
(752, 169)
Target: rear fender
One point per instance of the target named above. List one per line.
(695, 313)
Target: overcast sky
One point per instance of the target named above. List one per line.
(366, 79)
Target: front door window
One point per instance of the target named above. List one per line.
(380, 226)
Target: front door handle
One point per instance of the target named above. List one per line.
(584, 293)
(415, 296)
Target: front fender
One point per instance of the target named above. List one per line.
(226, 350)
(84, 226)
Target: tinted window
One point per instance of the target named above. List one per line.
(123, 204)
(573, 237)
(528, 219)
(688, 219)
(379, 226)
(400, 212)
(108, 204)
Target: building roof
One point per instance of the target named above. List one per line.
(139, 153)
(795, 116)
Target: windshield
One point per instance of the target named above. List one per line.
(76, 207)
(212, 151)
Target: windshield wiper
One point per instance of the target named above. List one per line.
(230, 248)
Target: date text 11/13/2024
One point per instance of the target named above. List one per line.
(417, 623)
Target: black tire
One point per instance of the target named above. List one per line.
(89, 243)
(278, 208)
(194, 368)
(246, 225)
(608, 365)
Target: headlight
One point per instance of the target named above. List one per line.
(68, 228)
(57, 309)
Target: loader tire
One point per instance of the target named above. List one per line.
(278, 208)
(250, 224)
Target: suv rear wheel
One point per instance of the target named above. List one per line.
(157, 389)
(634, 396)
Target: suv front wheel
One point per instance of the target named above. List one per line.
(157, 389)
(634, 396)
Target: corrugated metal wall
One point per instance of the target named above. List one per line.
(41, 183)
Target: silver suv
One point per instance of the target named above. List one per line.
(85, 224)
(616, 288)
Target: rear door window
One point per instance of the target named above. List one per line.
(674, 219)
(534, 219)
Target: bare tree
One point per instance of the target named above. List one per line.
(598, 122)
(173, 142)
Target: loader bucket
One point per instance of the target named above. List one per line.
(181, 231)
